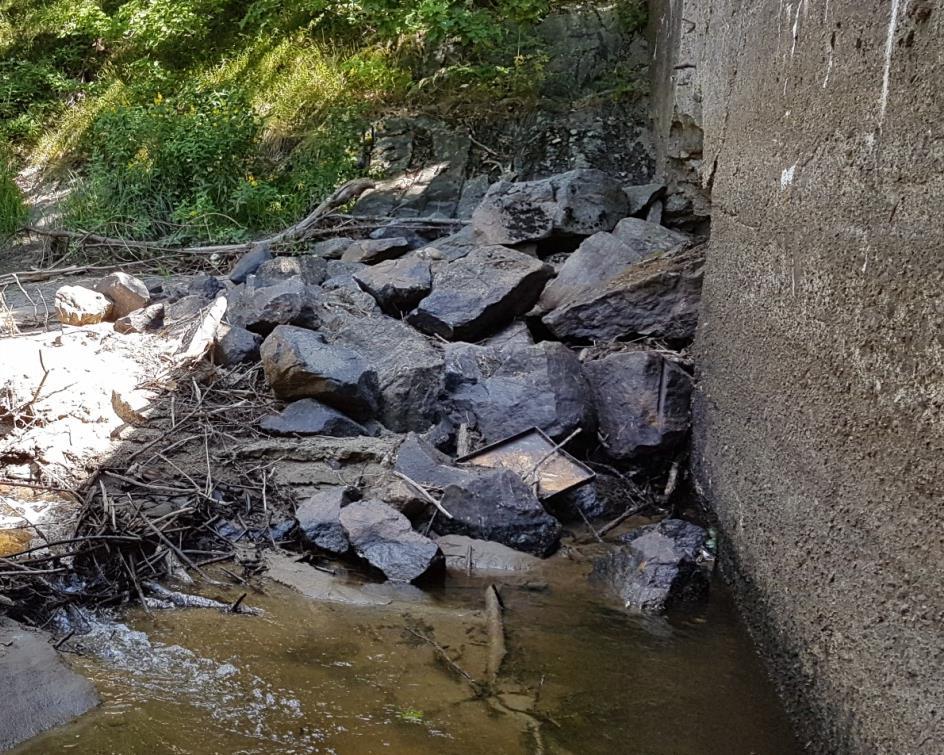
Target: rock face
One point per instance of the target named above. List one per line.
(397, 285)
(40, 691)
(249, 263)
(480, 292)
(141, 320)
(497, 505)
(659, 296)
(578, 203)
(642, 402)
(235, 345)
(311, 270)
(513, 387)
(125, 292)
(372, 251)
(77, 305)
(385, 538)
(604, 256)
(310, 417)
(299, 364)
(319, 520)
(288, 302)
(657, 567)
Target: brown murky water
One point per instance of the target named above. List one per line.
(312, 677)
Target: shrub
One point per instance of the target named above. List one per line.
(13, 212)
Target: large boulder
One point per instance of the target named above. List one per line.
(77, 305)
(506, 389)
(397, 285)
(299, 364)
(496, 504)
(385, 538)
(642, 401)
(659, 296)
(319, 520)
(311, 270)
(659, 566)
(125, 292)
(289, 302)
(605, 255)
(480, 292)
(249, 263)
(310, 417)
(578, 203)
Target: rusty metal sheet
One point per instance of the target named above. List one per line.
(558, 472)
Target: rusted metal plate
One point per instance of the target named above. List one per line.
(521, 453)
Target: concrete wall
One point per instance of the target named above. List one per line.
(820, 414)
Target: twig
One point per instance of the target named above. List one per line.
(420, 489)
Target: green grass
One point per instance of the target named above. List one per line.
(13, 211)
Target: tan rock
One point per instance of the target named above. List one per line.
(77, 305)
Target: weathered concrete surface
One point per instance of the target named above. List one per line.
(820, 430)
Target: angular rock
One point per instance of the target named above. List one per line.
(77, 305)
(309, 269)
(372, 251)
(658, 567)
(235, 345)
(125, 292)
(141, 320)
(642, 401)
(184, 308)
(578, 203)
(480, 292)
(299, 364)
(290, 302)
(385, 538)
(640, 197)
(309, 417)
(331, 249)
(468, 554)
(204, 285)
(659, 296)
(340, 275)
(604, 256)
(423, 464)
(397, 285)
(450, 248)
(319, 520)
(577, 504)
(498, 505)
(505, 390)
(40, 691)
(249, 263)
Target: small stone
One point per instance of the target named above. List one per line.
(77, 305)
(126, 293)
(249, 263)
(309, 417)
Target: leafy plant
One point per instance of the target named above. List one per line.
(13, 211)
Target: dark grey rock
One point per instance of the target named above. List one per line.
(657, 567)
(397, 285)
(372, 251)
(319, 520)
(299, 364)
(141, 320)
(450, 248)
(401, 231)
(309, 269)
(659, 296)
(516, 334)
(422, 463)
(184, 308)
(204, 285)
(640, 197)
(577, 504)
(341, 275)
(605, 255)
(331, 249)
(385, 538)
(480, 292)
(578, 203)
(642, 401)
(249, 263)
(235, 345)
(310, 417)
(125, 292)
(290, 302)
(505, 390)
(496, 504)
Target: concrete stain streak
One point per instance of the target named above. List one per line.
(889, 46)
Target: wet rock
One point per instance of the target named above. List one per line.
(497, 505)
(77, 305)
(409, 366)
(125, 292)
(249, 263)
(466, 554)
(642, 401)
(659, 296)
(372, 251)
(657, 567)
(290, 302)
(299, 364)
(605, 255)
(505, 390)
(310, 417)
(578, 203)
(319, 520)
(309, 269)
(480, 292)
(331, 249)
(141, 320)
(385, 538)
(397, 285)
(235, 345)
(578, 504)
(40, 691)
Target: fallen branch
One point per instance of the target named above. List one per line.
(425, 493)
